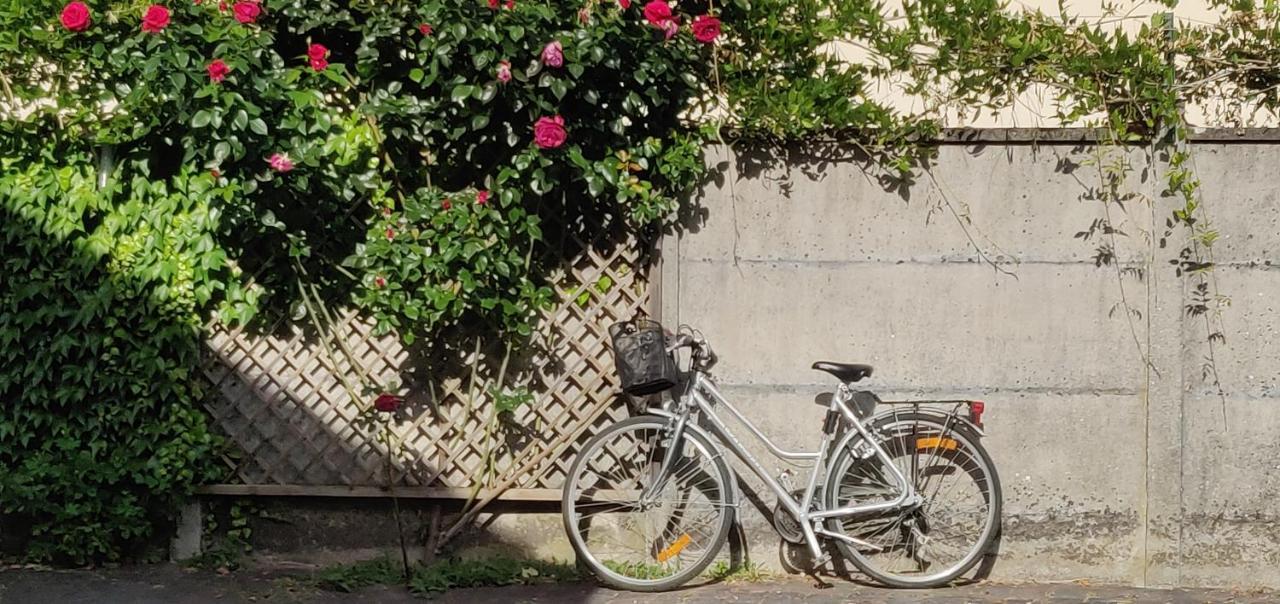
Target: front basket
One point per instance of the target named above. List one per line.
(641, 357)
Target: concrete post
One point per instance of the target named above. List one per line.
(186, 543)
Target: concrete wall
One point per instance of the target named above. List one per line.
(1112, 471)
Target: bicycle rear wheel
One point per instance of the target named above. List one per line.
(654, 544)
(935, 542)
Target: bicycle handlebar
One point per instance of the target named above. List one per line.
(703, 355)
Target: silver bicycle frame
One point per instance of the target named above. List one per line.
(703, 394)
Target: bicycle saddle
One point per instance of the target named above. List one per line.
(845, 372)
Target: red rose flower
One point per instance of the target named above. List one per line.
(75, 16)
(318, 56)
(706, 28)
(380, 282)
(510, 5)
(446, 204)
(387, 402)
(425, 29)
(625, 4)
(493, 4)
(657, 12)
(246, 12)
(155, 19)
(391, 234)
(218, 71)
(549, 133)
(482, 197)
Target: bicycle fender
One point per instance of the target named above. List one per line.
(888, 415)
(940, 415)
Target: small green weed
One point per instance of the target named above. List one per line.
(453, 573)
(640, 570)
(457, 573)
(747, 573)
(347, 578)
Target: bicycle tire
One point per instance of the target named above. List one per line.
(969, 440)
(597, 567)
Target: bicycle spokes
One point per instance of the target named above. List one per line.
(642, 524)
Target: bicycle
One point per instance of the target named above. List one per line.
(649, 501)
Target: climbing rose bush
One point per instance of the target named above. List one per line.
(422, 159)
(316, 116)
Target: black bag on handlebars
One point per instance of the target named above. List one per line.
(641, 357)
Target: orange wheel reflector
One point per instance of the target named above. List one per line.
(675, 548)
(937, 442)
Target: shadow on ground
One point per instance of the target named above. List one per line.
(170, 584)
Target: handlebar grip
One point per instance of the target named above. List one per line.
(712, 358)
(679, 341)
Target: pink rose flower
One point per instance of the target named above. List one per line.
(553, 54)
(493, 4)
(657, 12)
(706, 29)
(246, 12)
(218, 71)
(446, 204)
(549, 133)
(625, 4)
(318, 55)
(482, 197)
(504, 71)
(380, 282)
(425, 29)
(75, 16)
(391, 234)
(671, 27)
(280, 162)
(155, 19)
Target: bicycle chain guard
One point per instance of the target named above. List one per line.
(787, 526)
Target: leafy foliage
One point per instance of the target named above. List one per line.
(100, 433)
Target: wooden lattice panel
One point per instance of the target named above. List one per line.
(280, 398)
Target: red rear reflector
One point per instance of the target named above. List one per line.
(975, 412)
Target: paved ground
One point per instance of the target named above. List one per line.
(167, 584)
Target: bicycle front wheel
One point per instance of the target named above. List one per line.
(946, 534)
(636, 536)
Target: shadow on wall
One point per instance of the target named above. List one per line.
(280, 396)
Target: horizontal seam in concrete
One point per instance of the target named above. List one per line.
(1266, 396)
(944, 261)
(1265, 265)
(1059, 136)
(900, 389)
